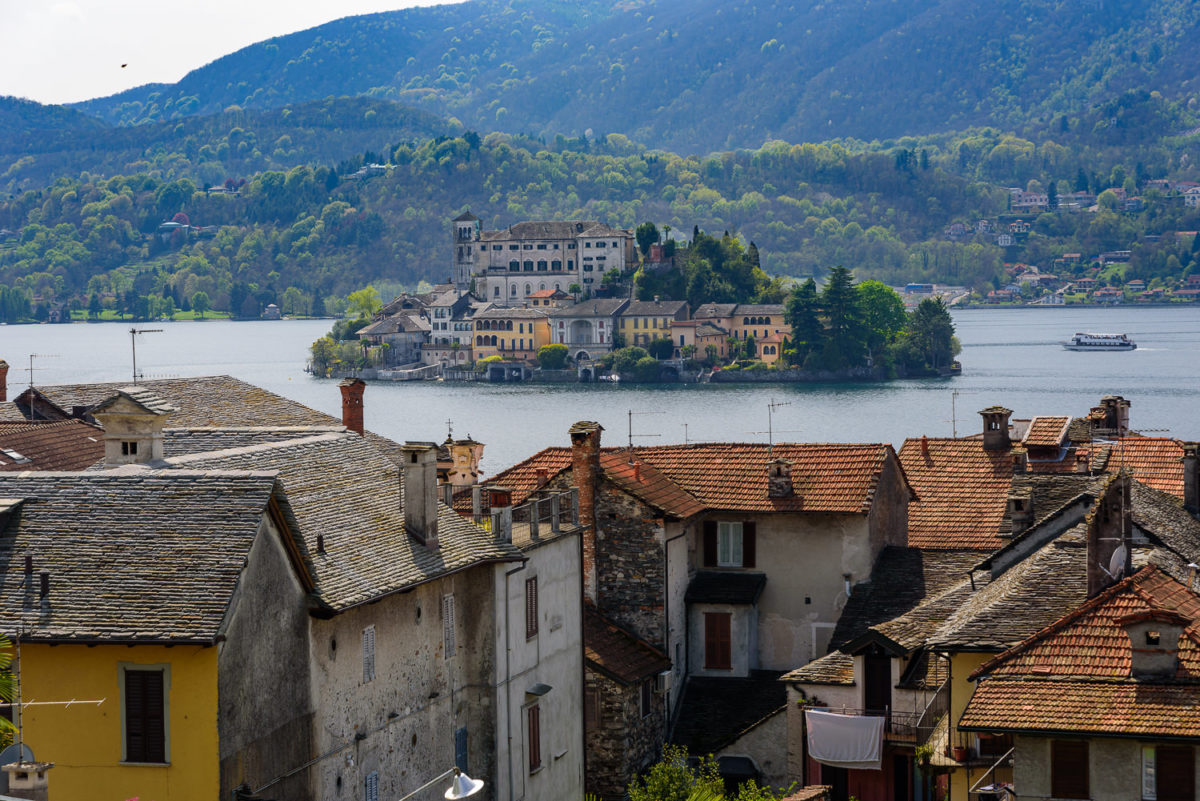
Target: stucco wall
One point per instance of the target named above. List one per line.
(1114, 768)
(263, 691)
(888, 518)
(767, 745)
(553, 657)
(407, 716)
(677, 544)
(743, 634)
(833, 696)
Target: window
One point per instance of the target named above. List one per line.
(1168, 773)
(570, 246)
(531, 607)
(528, 247)
(541, 247)
(534, 737)
(591, 709)
(717, 641)
(570, 264)
(371, 786)
(729, 544)
(514, 266)
(514, 247)
(587, 244)
(528, 266)
(556, 265)
(646, 704)
(496, 247)
(144, 713)
(541, 265)
(129, 449)
(449, 640)
(1069, 769)
(368, 654)
(601, 244)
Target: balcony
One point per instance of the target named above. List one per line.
(545, 514)
(898, 727)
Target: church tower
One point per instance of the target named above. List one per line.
(466, 243)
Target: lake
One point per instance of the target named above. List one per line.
(1011, 357)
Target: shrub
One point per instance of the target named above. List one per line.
(552, 357)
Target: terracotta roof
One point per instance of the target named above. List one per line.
(1046, 432)
(1154, 461)
(61, 445)
(733, 476)
(522, 478)
(616, 652)
(961, 489)
(1074, 675)
(644, 481)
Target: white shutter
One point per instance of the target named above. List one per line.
(449, 640)
(368, 654)
(372, 786)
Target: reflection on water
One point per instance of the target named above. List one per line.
(1012, 357)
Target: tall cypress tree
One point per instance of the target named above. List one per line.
(844, 346)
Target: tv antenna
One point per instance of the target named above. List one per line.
(771, 432)
(133, 335)
(954, 414)
(32, 356)
(639, 436)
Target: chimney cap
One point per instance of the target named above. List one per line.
(995, 409)
(585, 427)
(350, 382)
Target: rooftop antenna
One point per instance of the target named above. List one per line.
(133, 334)
(954, 414)
(685, 434)
(639, 436)
(449, 428)
(39, 356)
(771, 432)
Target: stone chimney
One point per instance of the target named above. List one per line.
(1116, 415)
(500, 499)
(1020, 460)
(420, 492)
(995, 428)
(352, 403)
(1154, 642)
(1191, 477)
(3, 380)
(1109, 534)
(133, 421)
(28, 780)
(1020, 509)
(779, 479)
(585, 465)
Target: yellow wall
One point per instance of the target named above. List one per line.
(84, 742)
(536, 334)
(961, 666)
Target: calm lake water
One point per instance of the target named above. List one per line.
(1011, 357)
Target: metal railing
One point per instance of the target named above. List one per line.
(545, 513)
(934, 711)
(897, 726)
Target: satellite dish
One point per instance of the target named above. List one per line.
(1116, 565)
(14, 753)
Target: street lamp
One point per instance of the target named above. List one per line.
(463, 786)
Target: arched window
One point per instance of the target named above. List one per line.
(528, 266)
(514, 290)
(514, 266)
(745, 321)
(493, 343)
(479, 340)
(542, 265)
(556, 265)
(528, 288)
(508, 325)
(542, 285)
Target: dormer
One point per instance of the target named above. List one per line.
(1154, 642)
(995, 428)
(779, 479)
(133, 421)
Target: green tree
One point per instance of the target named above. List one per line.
(95, 308)
(883, 314)
(844, 344)
(200, 304)
(646, 234)
(646, 369)
(324, 352)
(1108, 200)
(292, 301)
(671, 778)
(802, 313)
(661, 348)
(932, 332)
(624, 359)
(552, 357)
(364, 302)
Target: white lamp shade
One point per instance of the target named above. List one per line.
(463, 786)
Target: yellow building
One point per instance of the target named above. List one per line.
(699, 335)
(514, 334)
(643, 321)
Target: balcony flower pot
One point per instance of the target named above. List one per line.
(959, 753)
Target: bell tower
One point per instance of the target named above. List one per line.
(465, 235)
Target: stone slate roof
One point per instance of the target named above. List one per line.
(61, 445)
(1050, 492)
(1074, 675)
(961, 489)
(511, 313)
(402, 323)
(652, 308)
(725, 587)
(759, 310)
(715, 310)
(184, 441)
(151, 556)
(617, 652)
(834, 668)
(342, 487)
(600, 307)
(202, 401)
(143, 397)
(715, 711)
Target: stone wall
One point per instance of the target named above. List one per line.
(767, 745)
(630, 565)
(623, 743)
(797, 376)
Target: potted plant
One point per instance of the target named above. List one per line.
(959, 753)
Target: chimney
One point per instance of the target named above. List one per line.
(420, 491)
(28, 780)
(45, 585)
(133, 421)
(1109, 529)
(1116, 414)
(1154, 642)
(924, 445)
(1191, 477)
(1020, 509)
(995, 428)
(1020, 460)
(543, 476)
(501, 513)
(352, 403)
(779, 479)
(585, 465)
(3, 380)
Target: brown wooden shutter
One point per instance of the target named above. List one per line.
(710, 543)
(1069, 769)
(145, 728)
(1175, 772)
(717, 654)
(748, 543)
(531, 607)
(535, 738)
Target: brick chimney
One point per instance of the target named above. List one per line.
(1191, 477)
(420, 491)
(585, 465)
(3, 380)
(1109, 529)
(779, 479)
(995, 428)
(1154, 641)
(352, 403)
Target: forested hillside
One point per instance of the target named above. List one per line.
(699, 75)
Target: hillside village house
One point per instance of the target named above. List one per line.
(587, 328)
(346, 634)
(643, 321)
(512, 333)
(699, 335)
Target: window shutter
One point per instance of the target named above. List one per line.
(710, 543)
(460, 749)
(449, 640)
(1175, 770)
(368, 654)
(145, 726)
(371, 790)
(748, 544)
(531, 607)
(716, 640)
(1069, 769)
(535, 738)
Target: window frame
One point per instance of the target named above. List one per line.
(646, 698)
(1065, 777)
(718, 655)
(533, 736)
(368, 653)
(531, 608)
(164, 669)
(727, 538)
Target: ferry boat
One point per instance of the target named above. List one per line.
(1086, 341)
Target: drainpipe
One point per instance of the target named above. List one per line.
(508, 678)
